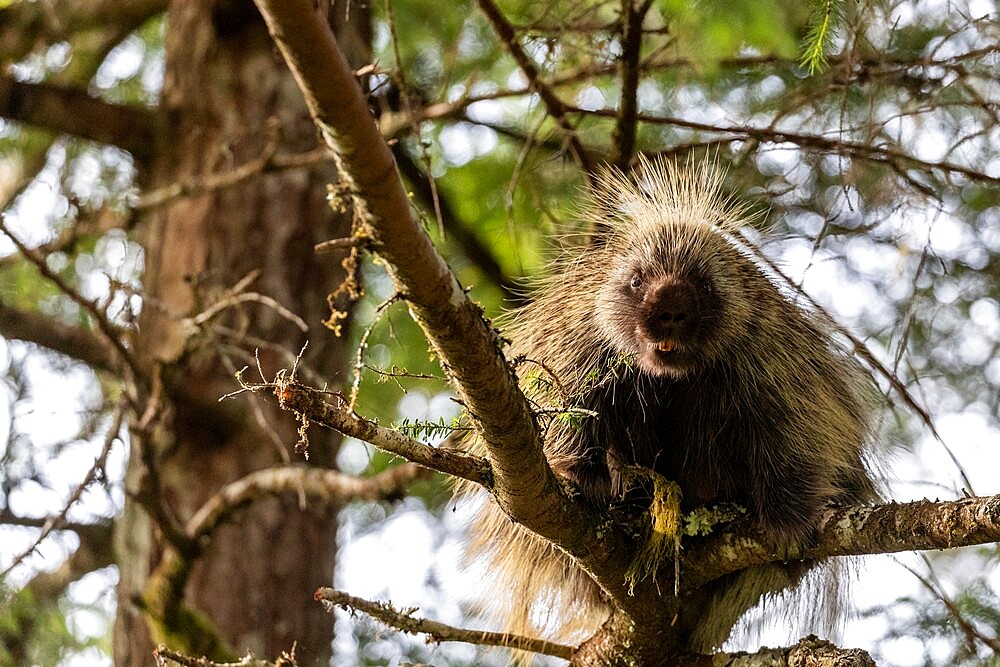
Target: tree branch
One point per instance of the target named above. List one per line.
(73, 342)
(468, 348)
(267, 162)
(553, 105)
(811, 651)
(327, 486)
(865, 151)
(848, 531)
(73, 111)
(973, 634)
(96, 469)
(111, 333)
(851, 531)
(623, 137)
(844, 532)
(45, 588)
(310, 402)
(101, 529)
(863, 71)
(25, 25)
(471, 246)
(95, 552)
(162, 654)
(439, 632)
(163, 597)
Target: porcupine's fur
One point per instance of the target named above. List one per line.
(698, 367)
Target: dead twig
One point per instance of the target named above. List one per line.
(310, 405)
(439, 632)
(553, 105)
(111, 332)
(96, 471)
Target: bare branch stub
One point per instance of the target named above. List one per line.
(311, 403)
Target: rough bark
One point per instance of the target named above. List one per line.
(225, 92)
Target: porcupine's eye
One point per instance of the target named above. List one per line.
(636, 282)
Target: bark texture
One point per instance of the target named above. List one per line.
(227, 95)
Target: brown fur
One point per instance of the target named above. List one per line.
(697, 366)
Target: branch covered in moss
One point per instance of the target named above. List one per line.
(852, 531)
(179, 626)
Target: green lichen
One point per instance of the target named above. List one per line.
(703, 520)
(664, 536)
(173, 623)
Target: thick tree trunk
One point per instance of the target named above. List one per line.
(224, 88)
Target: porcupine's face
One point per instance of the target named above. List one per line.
(662, 306)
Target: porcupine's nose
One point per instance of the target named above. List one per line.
(673, 312)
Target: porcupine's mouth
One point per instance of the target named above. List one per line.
(666, 357)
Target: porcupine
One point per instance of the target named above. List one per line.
(695, 365)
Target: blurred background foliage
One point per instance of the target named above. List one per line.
(879, 174)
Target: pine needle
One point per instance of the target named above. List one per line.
(826, 19)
